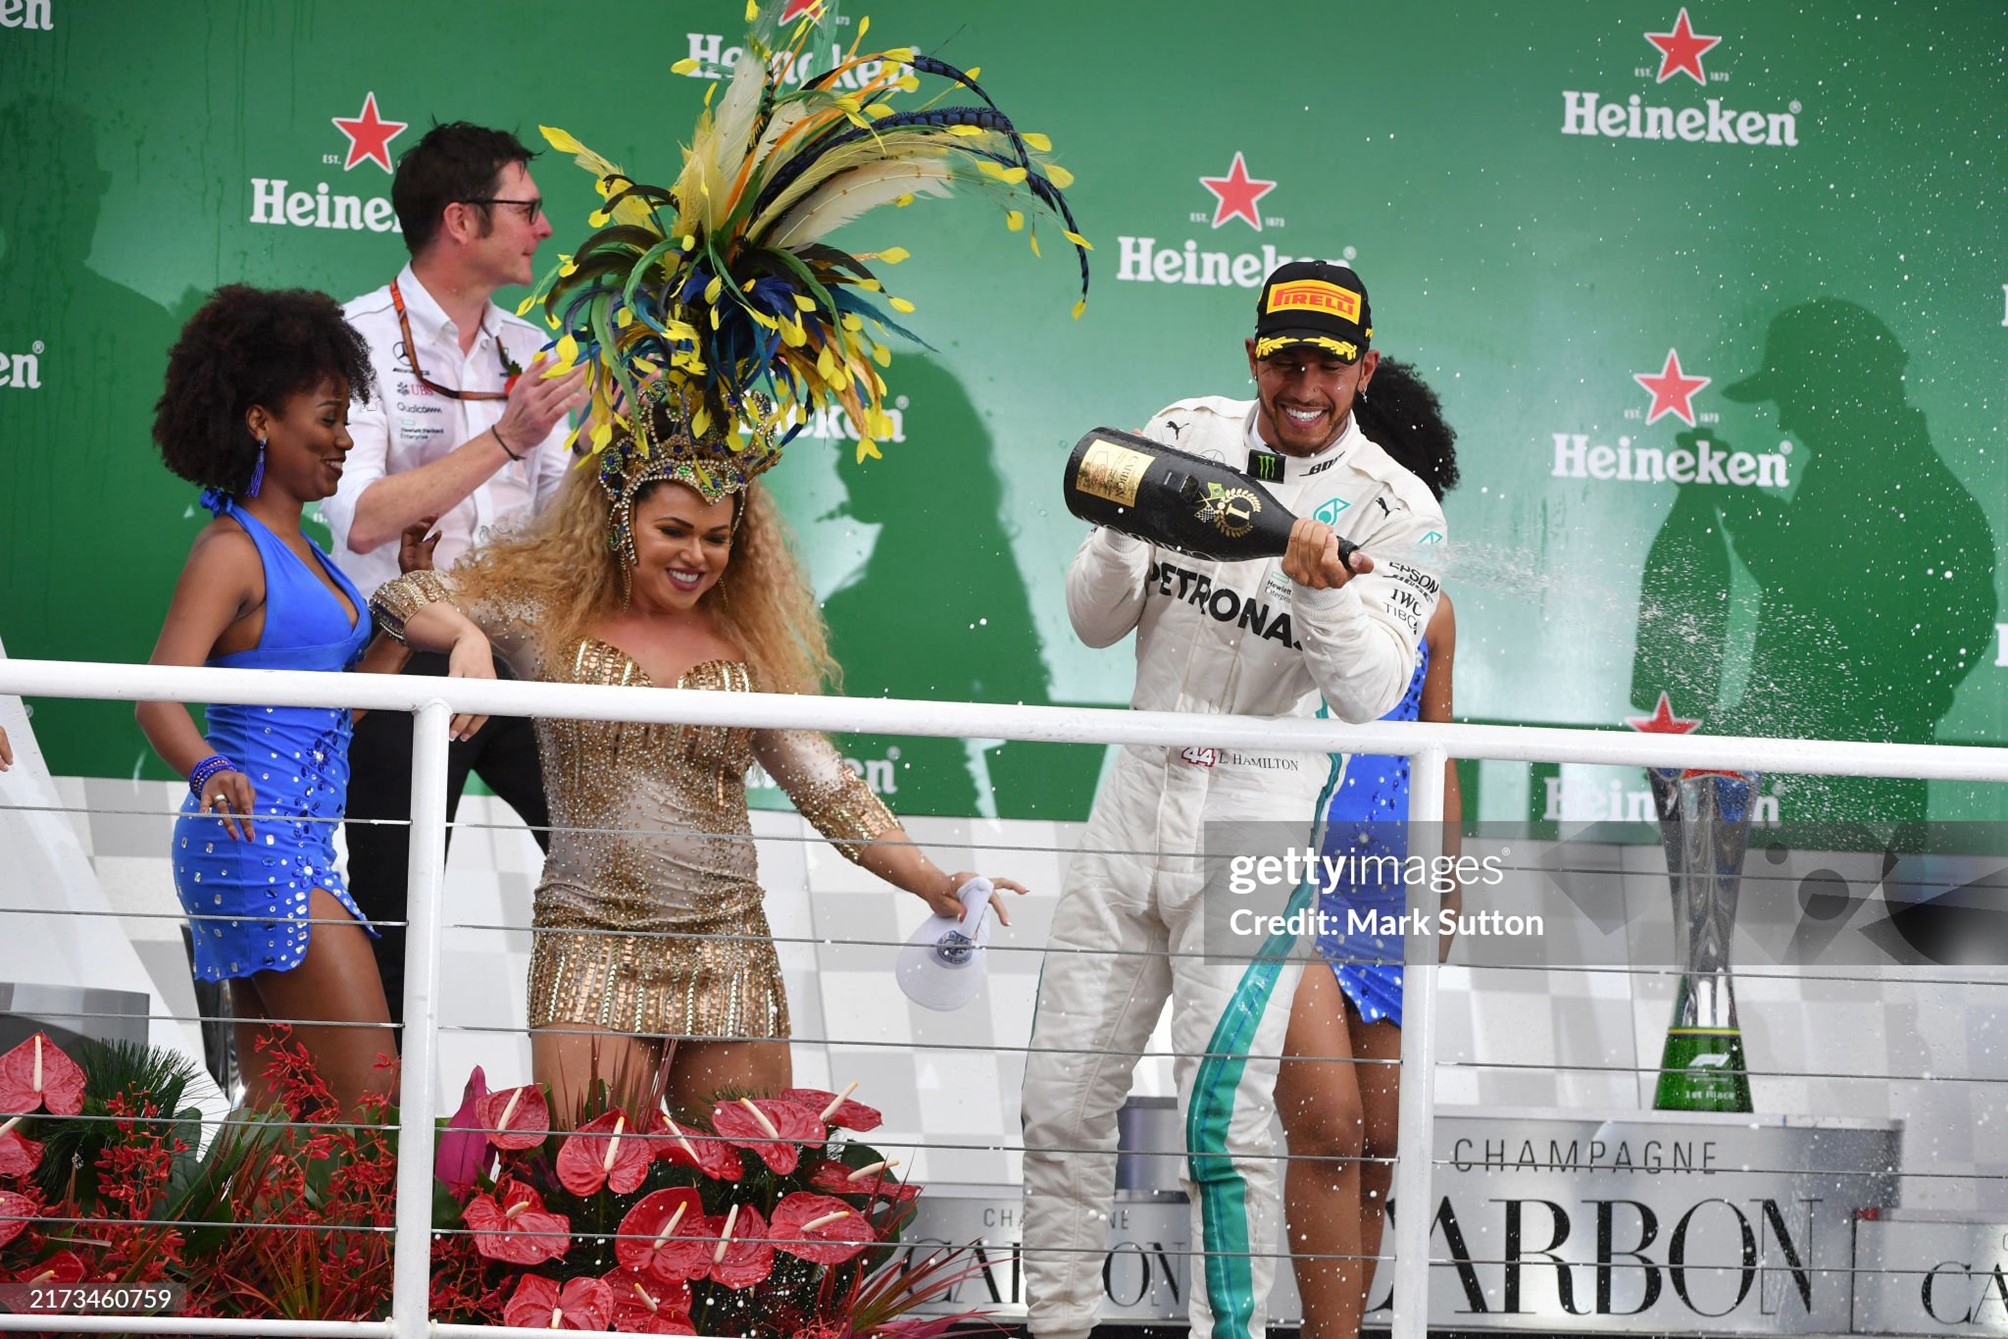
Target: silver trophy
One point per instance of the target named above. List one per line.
(1704, 823)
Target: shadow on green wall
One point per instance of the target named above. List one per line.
(1876, 574)
(88, 539)
(940, 610)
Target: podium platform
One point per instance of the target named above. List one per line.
(1596, 1223)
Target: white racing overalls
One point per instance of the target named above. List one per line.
(1212, 638)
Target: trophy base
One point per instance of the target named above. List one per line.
(1703, 1069)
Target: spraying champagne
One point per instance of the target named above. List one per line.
(1176, 500)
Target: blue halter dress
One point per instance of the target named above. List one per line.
(247, 901)
(1368, 816)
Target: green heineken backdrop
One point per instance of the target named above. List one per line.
(1588, 224)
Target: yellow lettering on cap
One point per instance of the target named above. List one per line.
(1315, 295)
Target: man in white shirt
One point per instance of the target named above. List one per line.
(465, 434)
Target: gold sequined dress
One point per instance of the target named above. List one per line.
(649, 919)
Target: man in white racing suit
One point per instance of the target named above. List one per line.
(1263, 638)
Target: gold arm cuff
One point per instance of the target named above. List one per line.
(398, 599)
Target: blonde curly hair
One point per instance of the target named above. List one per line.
(562, 566)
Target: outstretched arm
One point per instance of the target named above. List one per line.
(836, 800)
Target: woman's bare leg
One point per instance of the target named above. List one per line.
(699, 1071)
(1380, 1103)
(334, 1003)
(1318, 1096)
(570, 1058)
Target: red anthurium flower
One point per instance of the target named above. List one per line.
(538, 1303)
(515, 1117)
(462, 1146)
(710, 1155)
(743, 1255)
(820, 1229)
(16, 1212)
(512, 1225)
(606, 1151)
(62, 1267)
(667, 1235)
(877, 1178)
(35, 1073)
(836, 1109)
(644, 1304)
(19, 1156)
(772, 1129)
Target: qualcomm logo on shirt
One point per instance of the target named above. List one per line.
(22, 371)
(1233, 202)
(1672, 390)
(274, 201)
(1680, 52)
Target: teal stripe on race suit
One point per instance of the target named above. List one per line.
(1230, 1288)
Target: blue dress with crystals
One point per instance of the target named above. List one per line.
(247, 901)
(1367, 816)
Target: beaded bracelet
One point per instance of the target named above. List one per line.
(198, 776)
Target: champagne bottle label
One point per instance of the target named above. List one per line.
(1112, 472)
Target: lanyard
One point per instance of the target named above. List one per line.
(509, 369)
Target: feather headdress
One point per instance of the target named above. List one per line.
(690, 298)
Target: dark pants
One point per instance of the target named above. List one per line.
(503, 754)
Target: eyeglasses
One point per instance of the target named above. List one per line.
(532, 209)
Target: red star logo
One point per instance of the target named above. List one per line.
(1680, 51)
(797, 8)
(1662, 721)
(1672, 393)
(1237, 193)
(369, 135)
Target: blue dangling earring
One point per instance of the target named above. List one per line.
(258, 473)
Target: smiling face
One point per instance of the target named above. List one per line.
(306, 439)
(682, 545)
(1306, 393)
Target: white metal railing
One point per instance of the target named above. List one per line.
(433, 702)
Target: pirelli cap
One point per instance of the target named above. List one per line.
(1313, 302)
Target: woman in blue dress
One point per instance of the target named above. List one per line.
(256, 410)
(1339, 1088)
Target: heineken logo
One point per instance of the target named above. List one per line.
(1672, 391)
(366, 138)
(1692, 460)
(1678, 52)
(711, 58)
(25, 14)
(369, 135)
(22, 371)
(1236, 195)
(1197, 261)
(1681, 50)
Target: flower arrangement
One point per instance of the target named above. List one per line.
(762, 1221)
